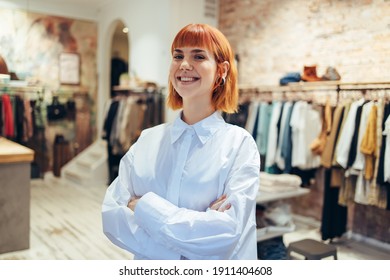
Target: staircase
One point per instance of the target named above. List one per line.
(89, 168)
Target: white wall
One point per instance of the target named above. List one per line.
(148, 23)
(68, 8)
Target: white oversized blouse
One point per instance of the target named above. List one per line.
(179, 169)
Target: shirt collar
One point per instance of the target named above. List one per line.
(204, 129)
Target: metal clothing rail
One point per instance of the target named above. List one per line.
(30, 92)
(315, 86)
(318, 91)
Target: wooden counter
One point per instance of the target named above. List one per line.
(15, 173)
(13, 152)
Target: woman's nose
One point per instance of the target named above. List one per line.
(185, 65)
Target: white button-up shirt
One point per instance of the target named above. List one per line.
(179, 170)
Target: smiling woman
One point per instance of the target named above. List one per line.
(215, 47)
(187, 189)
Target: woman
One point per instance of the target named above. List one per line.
(186, 190)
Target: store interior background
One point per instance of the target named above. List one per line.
(270, 37)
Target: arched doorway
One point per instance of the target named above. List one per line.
(119, 54)
(119, 60)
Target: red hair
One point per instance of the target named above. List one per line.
(224, 98)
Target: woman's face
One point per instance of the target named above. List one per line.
(193, 72)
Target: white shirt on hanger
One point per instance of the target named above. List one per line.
(359, 162)
(179, 169)
(345, 139)
(306, 125)
(273, 134)
(386, 132)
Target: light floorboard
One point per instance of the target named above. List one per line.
(65, 224)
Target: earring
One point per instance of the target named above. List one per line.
(222, 82)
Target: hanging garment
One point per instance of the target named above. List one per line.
(279, 159)
(286, 148)
(385, 138)
(328, 153)
(344, 144)
(386, 167)
(354, 143)
(359, 161)
(9, 129)
(273, 134)
(265, 113)
(18, 118)
(28, 122)
(305, 123)
(334, 216)
(318, 145)
(368, 145)
(375, 189)
(252, 113)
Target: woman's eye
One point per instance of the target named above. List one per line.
(178, 56)
(199, 57)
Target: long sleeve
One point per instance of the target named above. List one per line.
(119, 223)
(210, 234)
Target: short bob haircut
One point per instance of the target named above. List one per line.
(224, 97)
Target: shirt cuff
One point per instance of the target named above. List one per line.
(151, 213)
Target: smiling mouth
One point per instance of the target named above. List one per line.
(187, 79)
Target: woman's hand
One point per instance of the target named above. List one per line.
(133, 202)
(217, 204)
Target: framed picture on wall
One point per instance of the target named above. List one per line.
(69, 68)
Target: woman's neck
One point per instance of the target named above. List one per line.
(193, 114)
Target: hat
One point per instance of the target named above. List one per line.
(331, 74)
(310, 74)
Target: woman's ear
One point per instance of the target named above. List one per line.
(225, 66)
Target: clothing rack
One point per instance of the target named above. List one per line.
(127, 113)
(26, 91)
(317, 92)
(334, 217)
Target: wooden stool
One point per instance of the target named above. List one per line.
(312, 249)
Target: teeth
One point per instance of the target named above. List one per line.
(186, 79)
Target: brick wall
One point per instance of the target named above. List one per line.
(273, 37)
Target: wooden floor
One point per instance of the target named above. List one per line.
(66, 224)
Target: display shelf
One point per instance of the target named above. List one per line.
(263, 197)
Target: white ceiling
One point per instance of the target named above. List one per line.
(95, 3)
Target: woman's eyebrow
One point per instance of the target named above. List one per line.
(198, 51)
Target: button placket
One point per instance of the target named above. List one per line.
(174, 189)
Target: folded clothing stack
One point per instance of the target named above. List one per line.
(279, 182)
